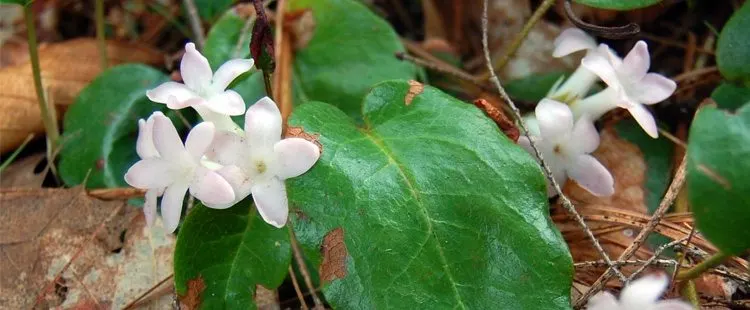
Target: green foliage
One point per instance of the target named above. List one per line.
(351, 50)
(210, 9)
(19, 2)
(99, 130)
(231, 251)
(731, 97)
(532, 88)
(622, 5)
(718, 183)
(435, 203)
(733, 48)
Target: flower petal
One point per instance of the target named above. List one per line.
(642, 293)
(673, 304)
(171, 205)
(585, 138)
(653, 88)
(263, 124)
(209, 187)
(175, 104)
(194, 68)
(144, 145)
(645, 119)
(149, 206)
(271, 201)
(229, 71)
(166, 139)
(572, 40)
(602, 301)
(150, 173)
(555, 119)
(228, 103)
(295, 156)
(241, 185)
(599, 64)
(227, 148)
(636, 63)
(167, 90)
(199, 139)
(590, 174)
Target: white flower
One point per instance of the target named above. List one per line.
(642, 294)
(566, 147)
(177, 169)
(204, 90)
(630, 85)
(576, 86)
(260, 161)
(145, 148)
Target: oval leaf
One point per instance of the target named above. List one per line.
(221, 255)
(718, 182)
(99, 130)
(622, 5)
(733, 48)
(731, 97)
(429, 202)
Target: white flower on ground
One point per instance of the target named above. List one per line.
(178, 169)
(205, 90)
(260, 161)
(578, 84)
(566, 145)
(630, 86)
(642, 294)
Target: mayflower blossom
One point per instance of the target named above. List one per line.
(577, 85)
(145, 148)
(204, 90)
(642, 294)
(259, 161)
(630, 85)
(566, 145)
(177, 168)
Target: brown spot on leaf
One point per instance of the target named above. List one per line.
(506, 125)
(299, 132)
(715, 177)
(415, 88)
(192, 300)
(334, 256)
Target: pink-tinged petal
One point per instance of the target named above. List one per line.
(600, 65)
(645, 119)
(524, 142)
(555, 119)
(167, 90)
(653, 88)
(228, 103)
(271, 201)
(590, 174)
(229, 71)
(149, 206)
(144, 145)
(241, 185)
(608, 52)
(295, 157)
(263, 124)
(175, 104)
(603, 301)
(572, 40)
(166, 139)
(672, 304)
(209, 187)
(585, 138)
(150, 173)
(171, 205)
(199, 139)
(227, 148)
(194, 68)
(636, 63)
(642, 293)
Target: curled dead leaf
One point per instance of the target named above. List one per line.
(334, 256)
(506, 125)
(415, 88)
(299, 132)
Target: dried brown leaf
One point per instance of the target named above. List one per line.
(21, 173)
(334, 256)
(415, 88)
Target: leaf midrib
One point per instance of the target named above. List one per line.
(237, 253)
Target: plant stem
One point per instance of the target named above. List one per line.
(48, 116)
(691, 294)
(100, 36)
(13, 156)
(195, 23)
(699, 269)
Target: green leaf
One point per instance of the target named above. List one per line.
(436, 206)
(19, 2)
(718, 180)
(532, 88)
(351, 50)
(622, 5)
(231, 251)
(99, 129)
(733, 48)
(209, 9)
(731, 97)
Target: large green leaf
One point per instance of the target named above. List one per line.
(733, 48)
(351, 50)
(623, 5)
(99, 130)
(230, 251)
(209, 9)
(718, 179)
(731, 97)
(435, 205)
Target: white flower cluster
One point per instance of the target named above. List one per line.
(642, 294)
(562, 124)
(219, 163)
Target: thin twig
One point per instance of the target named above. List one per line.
(672, 191)
(517, 114)
(15, 153)
(116, 193)
(195, 23)
(670, 42)
(442, 69)
(621, 32)
(655, 256)
(297, 290)
(303, 267)
(600, 263)
(672, 138)
(144, 294)
(683, 255)
(695, 73)
(100, 35)
(707, 264)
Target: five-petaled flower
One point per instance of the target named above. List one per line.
(579, 83)
(565, 146)
(177, 169)
(259, 161)
(642, 294)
